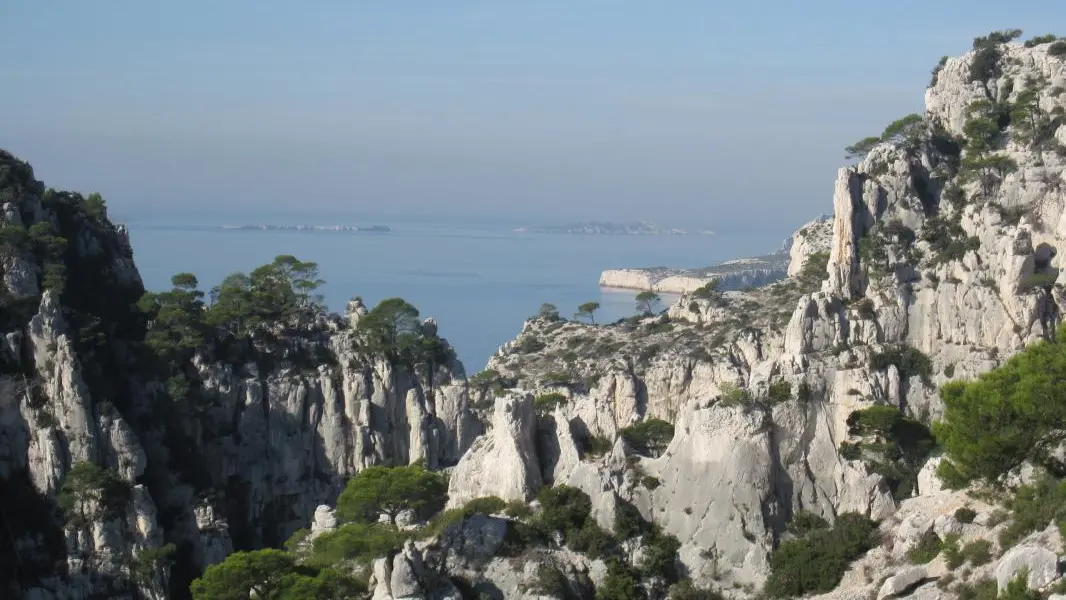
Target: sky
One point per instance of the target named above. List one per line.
(711, 114)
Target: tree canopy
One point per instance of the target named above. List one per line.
(586, 311)
(376, 491)
(647, 302)
(1007, 416)
(271, 575)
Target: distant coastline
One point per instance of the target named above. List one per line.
(731, 275)
(317, 228)
(608, 228)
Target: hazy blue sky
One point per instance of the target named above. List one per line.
(702, 112)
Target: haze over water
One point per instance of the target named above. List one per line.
(479, 280)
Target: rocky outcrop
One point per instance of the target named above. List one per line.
(503, 462)
(730, 275)
(272, 426)
(813, 238)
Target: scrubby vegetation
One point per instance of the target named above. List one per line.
(388, 491)
(649, 437)
(89, 488)
(893, 444)
(817, 561)
(1009, 415)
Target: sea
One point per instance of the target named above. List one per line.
(479, 279)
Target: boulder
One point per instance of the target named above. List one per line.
(1043, 566)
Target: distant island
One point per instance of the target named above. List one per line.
(731, 275)
(607, 228)
(325, 228)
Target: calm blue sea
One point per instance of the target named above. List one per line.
(480, 281)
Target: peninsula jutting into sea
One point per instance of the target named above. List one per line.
(324, 228)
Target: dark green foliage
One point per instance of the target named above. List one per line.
(894, 445)
(1018, 588)
(588, 310)
(592, 445)
(816, 562)
(936, 70)
(861, 148)
(95, 206)
(591, 540)
(685, 590)
(359, 542)
(551, 582)
(1057, 49)
(393, 329)
(927, 548)
(516, 509)
(978, 552)
(621, 583)
(628, 523)
(271, 575)
(148, 562)
(804, 522)
(548, 312)
(546, 403)
(563, 508)
(779, 391)
(275, 292)
(1033, 508)
(708, 291)
(965, 515)
(982, 589)
(906, 132)
(649, 437)
(376, 491)
(1040, 39)
(1007, 416)
(647, 302)
(910, 362)
(660, 558)
(650, 482)
(489, 505)
(92, 485)
(815, 269)
(528, 344)
(985, 65)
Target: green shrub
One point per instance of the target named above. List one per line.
(893, 445)
(593, 445)
(817, 561)
(591, 539)
(982, 589)
(1040, 39)
(1018, 588)
(628, 522)
(489, 505)
(359, 542)
(708, 291)
(621, 583)
(927, 548)
(649, 437)
(1032, 508)
(546, 403)
(804, 522)
(965, 515)
(563, 508)
(1057, 49)
(90, 484)
(516, 509)
(908, 360)
(530, 344)
(779, 391)
(953, 556)
(1006, 417)
(660, 555)
(978, 552)
(686, 590)
(551, 582)
(376, 491)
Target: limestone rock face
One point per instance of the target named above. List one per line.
(1041, 564)
(503, 462)
(814, 237)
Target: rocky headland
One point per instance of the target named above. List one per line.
(765, 442)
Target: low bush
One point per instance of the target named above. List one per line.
(965, 515)
(804, 522)
(817, 561)
(1057, 49)
(927, 548)
(546, 403)
(358, 542)
(686, 590)
(1033, 508)
(649, 437)
(489, 505)
(978, 552)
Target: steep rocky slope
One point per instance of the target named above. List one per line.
(940, 266)
(721, 421)
(277, 421)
